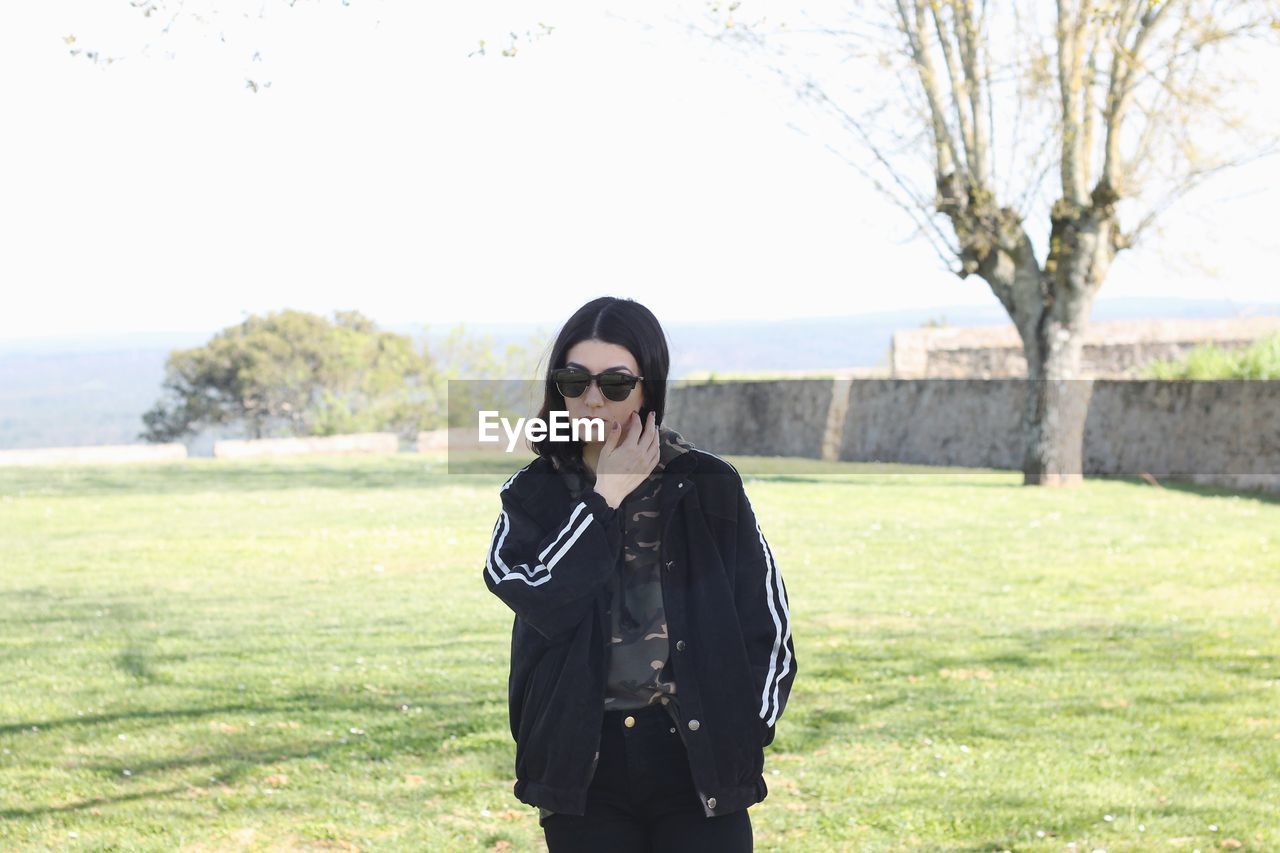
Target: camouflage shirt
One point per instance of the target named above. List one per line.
(639, 672)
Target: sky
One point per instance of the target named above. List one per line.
(386, 170)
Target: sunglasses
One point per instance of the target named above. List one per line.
(572, 382)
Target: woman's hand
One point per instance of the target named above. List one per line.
(625, 463)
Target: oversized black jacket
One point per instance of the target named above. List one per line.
(728, 622)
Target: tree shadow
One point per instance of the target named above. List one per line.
(394, 734)
(894, 665)
(1200, 489)
(401, 472)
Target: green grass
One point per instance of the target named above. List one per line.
(1259, 360)
(303, 655)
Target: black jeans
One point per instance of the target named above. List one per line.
(642, 797)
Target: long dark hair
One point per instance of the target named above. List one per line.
(611, 320)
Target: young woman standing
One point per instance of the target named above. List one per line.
(651, 650)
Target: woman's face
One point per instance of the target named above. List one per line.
(600, 357)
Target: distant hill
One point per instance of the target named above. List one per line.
(93, 390)
(857, 341)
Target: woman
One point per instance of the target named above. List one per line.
(651, 651)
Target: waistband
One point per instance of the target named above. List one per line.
(656, 709)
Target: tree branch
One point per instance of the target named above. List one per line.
(946, 161)
(970, 31)
(1189, 182)
(895, 174)
(1120, 92)
(964, 118)
(1069, 85)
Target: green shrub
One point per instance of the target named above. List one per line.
(1261, 360)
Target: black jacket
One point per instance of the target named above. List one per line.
(550, 560)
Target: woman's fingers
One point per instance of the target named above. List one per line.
(633, 453)
(635, 427)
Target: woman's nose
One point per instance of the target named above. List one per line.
(594, 397)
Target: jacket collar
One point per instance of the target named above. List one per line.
(676, 479)
(676, 472)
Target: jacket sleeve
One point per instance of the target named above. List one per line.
(765, 618)
(549, 577)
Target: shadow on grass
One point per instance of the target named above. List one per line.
(411, 471)
(987, 479)
(1199, 489)
(1064, 822)
(914, 682)
(949, 481)
(136, 661)
(400, 472)
(451, 723)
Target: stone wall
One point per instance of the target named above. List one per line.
(785, 417)
(362, 442)
(1112, 350)
(1221, 433)
(94, 454)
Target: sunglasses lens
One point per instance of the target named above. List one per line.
(616, 387)
(571, 383)
(572, 389)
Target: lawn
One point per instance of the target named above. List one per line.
(214, 655)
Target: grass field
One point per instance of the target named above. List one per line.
(303, 655)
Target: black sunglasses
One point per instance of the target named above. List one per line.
(572, 382)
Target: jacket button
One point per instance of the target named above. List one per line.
(629, 722)
(680, 486)
(693, 725)
(679, 645)
(711, 802)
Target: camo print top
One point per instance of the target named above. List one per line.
(639, 670)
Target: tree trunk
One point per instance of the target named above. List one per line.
(1056, 404)
(1049, 306)
(1082, 244)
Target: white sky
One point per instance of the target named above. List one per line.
(385, 171)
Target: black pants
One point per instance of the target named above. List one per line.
(642, 797)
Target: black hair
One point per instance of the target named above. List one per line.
(612, 320)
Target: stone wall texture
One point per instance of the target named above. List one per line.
(362, 442)
(94, 454)
(1217, 433)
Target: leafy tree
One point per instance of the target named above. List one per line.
(486, 378)
(298, 374)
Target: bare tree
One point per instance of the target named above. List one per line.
(240, 33)
(1125, 102)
